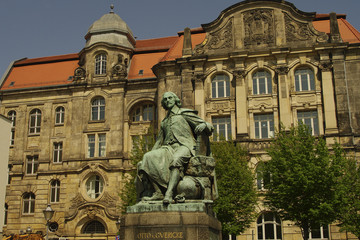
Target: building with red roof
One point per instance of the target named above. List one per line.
(76, 116)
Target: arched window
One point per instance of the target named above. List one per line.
(220, 86)
(94, 227)
(94, 186)
(304, 79)
(59, 115)
(12, 116)
(100, 64)
(269, 227)
(145, 112)
(262, 178)
(98, 109)
(55, 191)
(28, 203)
(35, 121)
(262, 83)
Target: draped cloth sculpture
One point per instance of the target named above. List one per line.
(175, 169)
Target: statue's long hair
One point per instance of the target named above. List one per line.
(177, 100)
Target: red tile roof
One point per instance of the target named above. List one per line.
(176, 50)
(40, 72)
(144, 62)
(56, 70)
(155, 44)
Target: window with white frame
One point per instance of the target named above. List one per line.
(264, 125)
(145, 112)
(59, 115)
(12, 116)
(220, 86)
(55, 191)
(304, 80)
(222, 128)
(94, 186)
(269, 227)
(97, 145)
(262, 178)
(262, 83)
(58, 150)
(319, 233)
(100, 64)
(35, 121)
(29, 203)
(98, 109)
(310, 119)
(32, 164)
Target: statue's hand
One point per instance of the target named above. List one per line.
(200, 128)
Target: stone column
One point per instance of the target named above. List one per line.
(241, 103)
(198, 80)
(283, 95)
(328, 98)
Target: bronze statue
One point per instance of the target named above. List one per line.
(171, 168)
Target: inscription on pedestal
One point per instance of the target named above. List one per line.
(159, 234)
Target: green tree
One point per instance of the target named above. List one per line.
(304, 178)
(141, 145)
(349, 216)
(235, 206)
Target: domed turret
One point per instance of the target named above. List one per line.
(110, 29)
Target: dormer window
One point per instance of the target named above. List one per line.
(100, 64)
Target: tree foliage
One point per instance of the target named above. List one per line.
(349, 215)
(237, 194)
(305, 176)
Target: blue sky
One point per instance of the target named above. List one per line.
(39, 28)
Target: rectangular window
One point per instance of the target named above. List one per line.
(222, 128)
(310, 119)
(32, 164)
(58, 147)
(102, 145)
(264, 125)
(304, 80)
(91, 145)
(97, 145)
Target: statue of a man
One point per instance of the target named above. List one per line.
(163, 167)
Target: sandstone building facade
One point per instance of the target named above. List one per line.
(259, 64)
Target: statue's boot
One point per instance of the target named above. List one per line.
(174, 180)
(157, 195)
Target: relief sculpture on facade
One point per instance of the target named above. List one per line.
(259, 27)
(299, 31)
(220, 39)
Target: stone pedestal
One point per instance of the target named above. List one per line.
(152, 221)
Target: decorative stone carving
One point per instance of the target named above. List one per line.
(326, 66)
(79, 74)
(282, 70)
(92, 211)
(239, 74)
(219, 39)
(120, 69)
(259, 27)
(299, 31)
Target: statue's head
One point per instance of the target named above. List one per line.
(177, 100)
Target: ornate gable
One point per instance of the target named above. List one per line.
(259, 25)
